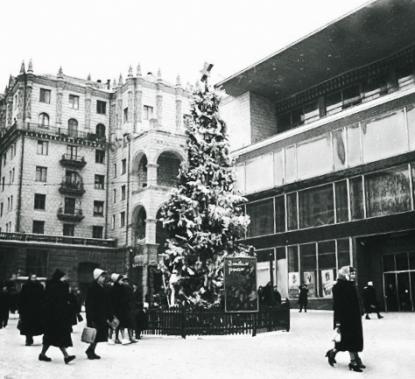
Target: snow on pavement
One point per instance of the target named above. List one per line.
(389, 352)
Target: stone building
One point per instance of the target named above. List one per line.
(325, 155)
(85, 168)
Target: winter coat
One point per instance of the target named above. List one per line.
(4, 308)
(126, 306)
(98, 310)
(75, 308)
(347, 313)
(58, 314)
(369, 298)
(303, 296)
(30, 305)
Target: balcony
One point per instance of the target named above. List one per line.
(71, 215)
(72, 187)
(72, 161)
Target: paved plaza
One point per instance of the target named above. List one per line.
(389, 353)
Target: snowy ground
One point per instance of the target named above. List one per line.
(389, 353)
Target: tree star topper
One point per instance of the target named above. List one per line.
(206, 71)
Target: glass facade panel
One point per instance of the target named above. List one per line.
(402, 262)
(356, 198)
(339, 149)
(281, 253)
(389, 262)
(264, 255)
(290, 164)
(308, 262)
(314, 158)
(292, 211)
(262, 218)
(316, 206)
(412, 263)
(259, 173)
(385, 137)
(343, 252)
(293, 259)
(388, 192)
(353, 145)
(327, 267)
(279, 167)
(280, 214)
(342, 213)
(411, 127)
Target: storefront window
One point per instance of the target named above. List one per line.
(343, 252)
(308, 262)
(356, 198)
(339, 149)
(316, 206)
(342, 212)
(388, 192)
(280, 214)
(327, 267)
(292, 211)
(353, 145)
(293, 272)
(262, 218)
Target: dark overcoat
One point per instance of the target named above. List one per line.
(30, 305)
(98, 310)
(4, 308)
(369, 298)
(57, 314)
(347, 313)
(303, 296)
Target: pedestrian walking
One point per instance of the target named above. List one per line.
(57, 317)
(370, 301)
(4, 306)
(116, 293)
(13, 293)
(141, 321)
(75, 306)
(30, 307)
(303, 297)
(347, 319)
(98, 310)
(126, 312)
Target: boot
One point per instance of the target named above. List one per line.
(44, 358)
(354, 366)
(29, 340)
(331, 354)
(359, 362)
(69, 358)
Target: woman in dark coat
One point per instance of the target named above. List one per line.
(30, 306)
(347, 319)
(98, 310)
(303, 298)
(4, 306)
(57, 317)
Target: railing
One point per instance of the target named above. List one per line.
(72, 185)
(70, 215)
(183, 322)
(73, 158)
(29, 237)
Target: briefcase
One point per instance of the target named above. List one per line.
(89, 335)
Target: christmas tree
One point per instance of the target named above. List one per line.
(203, 218)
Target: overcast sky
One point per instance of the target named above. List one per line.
(104, 37)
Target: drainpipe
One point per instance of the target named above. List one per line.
(127, 218)
(107, 157)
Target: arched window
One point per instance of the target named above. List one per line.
(44, 120)
(100, 131)
(168, 165)
(72, 128)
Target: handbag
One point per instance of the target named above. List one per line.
(88, 335)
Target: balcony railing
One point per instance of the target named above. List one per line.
(69, 160)
(72, 187)
(28, 237)
(74, 215)
(56, 131)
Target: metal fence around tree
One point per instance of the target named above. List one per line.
(185, 322)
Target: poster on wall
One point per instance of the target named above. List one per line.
(293, 284)
(310, 282)
(327, 281)
(241, 285)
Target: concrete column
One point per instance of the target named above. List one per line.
(152, 174)
(151, 230)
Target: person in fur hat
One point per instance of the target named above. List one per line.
(98, 310)
(347, 319)
(58, 325)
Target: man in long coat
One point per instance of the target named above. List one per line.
(98, 310)
(4, 306)
(370, 301)
(30, 306)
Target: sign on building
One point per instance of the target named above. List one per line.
(241, 285)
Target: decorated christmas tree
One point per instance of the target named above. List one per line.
(203, 218)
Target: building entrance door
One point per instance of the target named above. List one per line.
(399, 282)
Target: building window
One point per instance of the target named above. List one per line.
(2, 183)
(69, 205)
(42, 147)
(342, 209)
(98, 208)
(13, 172)
(292, 211)
(44, 120)
(38, 227)
(101, 107)
(99, 156)
(74, 101)
(41, 173)
(72, 151)
(123, 166)
(100, 131)
(356, 198)
(44, 95)
(148, 112)
(122, 219)
(126, 114)
(280, 214)
(69, 230)
(114, 195)
(97, 231)
(262, 218)
(73, 128)
(114, 169)
(40, 201)
(1, 209)
(99, 181)
(123, 192)
(4, 159)
(326, 267)
(316, 206)
(11, 202)
(113, 222)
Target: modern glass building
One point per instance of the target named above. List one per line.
(326, 155)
